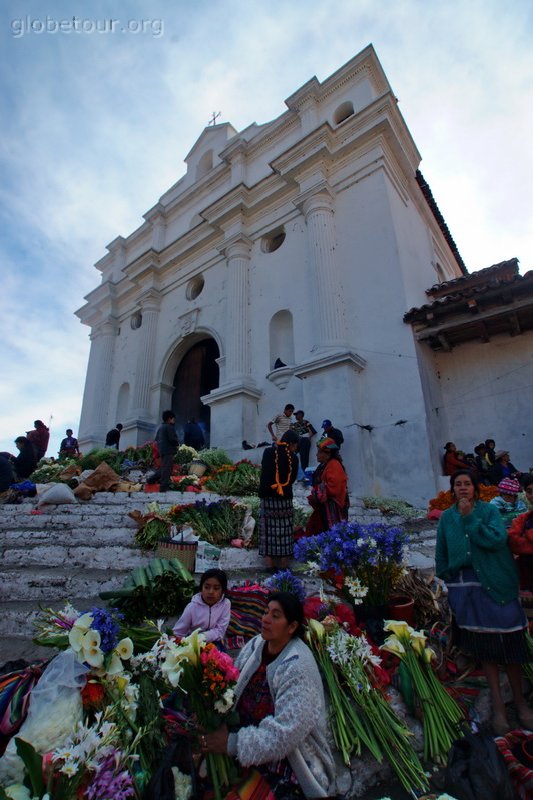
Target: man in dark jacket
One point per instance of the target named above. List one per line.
(167, 443)
(332, 433)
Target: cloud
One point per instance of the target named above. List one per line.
(96, 128)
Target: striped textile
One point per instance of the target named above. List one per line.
(511, 747)
(248, 603)
(276, 527)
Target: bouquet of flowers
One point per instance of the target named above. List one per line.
(98, 637)
(207, 676)
(361, 713)
(442, 716)
(286, 581)
(361, 562)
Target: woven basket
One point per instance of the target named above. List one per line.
(183, 551)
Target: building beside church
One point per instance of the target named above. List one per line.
(303, 241)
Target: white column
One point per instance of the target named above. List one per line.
(328, 303)
(150, 304)
(238, 361)
(96, 397)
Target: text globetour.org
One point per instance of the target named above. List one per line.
(28, 25)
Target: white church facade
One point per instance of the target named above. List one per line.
(304, 240)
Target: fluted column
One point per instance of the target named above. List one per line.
(238, 361)
(97, 394)
(328, 303)
(150, 304)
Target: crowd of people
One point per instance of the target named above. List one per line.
(489, 465)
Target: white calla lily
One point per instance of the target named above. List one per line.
(115, 665)
(124, 648)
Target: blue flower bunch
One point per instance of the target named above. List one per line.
(286, 581)
(210, 508)
(372, 553)
(107, 622)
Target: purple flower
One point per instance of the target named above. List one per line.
(111, 781)
(107, 623)
(286, 581)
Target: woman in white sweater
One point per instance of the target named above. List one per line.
(280, 700)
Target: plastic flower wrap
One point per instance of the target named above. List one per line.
(362, 562)
(442, 716)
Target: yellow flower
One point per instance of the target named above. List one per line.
(394, 646)
(428, 655)
(418, 642)
(317, 629)
(399, 628)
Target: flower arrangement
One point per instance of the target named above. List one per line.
(442, 716)
(362, 562)
(361, 714)
(185, 454)
(186, 483)
(207, 676)
(286, 581)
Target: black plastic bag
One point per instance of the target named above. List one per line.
(161, 784)
(476, 770)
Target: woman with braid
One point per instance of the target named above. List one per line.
(279, 468)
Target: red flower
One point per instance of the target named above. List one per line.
(92, 695)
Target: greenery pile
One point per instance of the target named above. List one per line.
(214, 458)
(234, 480)
(93, 458)
(161, 589)
(392, 506)
(217, 523)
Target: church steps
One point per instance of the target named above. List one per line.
(74, 552)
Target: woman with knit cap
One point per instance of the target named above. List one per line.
(329, 494)
(279, 468)
(474, 559)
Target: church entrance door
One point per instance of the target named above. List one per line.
(196, 375)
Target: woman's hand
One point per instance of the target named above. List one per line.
(215, 742)
(465, 506)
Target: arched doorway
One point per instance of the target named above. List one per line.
(196, 375)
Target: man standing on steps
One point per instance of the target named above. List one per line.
(167, 443)
(281, 422)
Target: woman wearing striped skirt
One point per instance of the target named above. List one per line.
(279, 468)
(474, 559)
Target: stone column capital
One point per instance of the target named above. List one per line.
(237, 246)
(108, 327)
(317, 198)
(150, 300)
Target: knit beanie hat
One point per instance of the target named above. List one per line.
(509, 486)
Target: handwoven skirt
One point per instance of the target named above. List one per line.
(485, 629)
(276, 527)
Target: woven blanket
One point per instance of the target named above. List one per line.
(521, 775)
(248, 604)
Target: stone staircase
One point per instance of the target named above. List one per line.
(73, 552)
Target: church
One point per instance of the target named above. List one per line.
(305, 261)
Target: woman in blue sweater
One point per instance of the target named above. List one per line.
(475, 561)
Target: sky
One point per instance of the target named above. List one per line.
(100, 102)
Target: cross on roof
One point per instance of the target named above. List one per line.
(214, 117)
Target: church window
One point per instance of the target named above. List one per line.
(273, 241)
(194, 287)
(344, 111)
(281, 339)
(136, 321)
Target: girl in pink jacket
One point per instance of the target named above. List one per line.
(209, 610)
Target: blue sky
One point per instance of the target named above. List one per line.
(96, 125)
